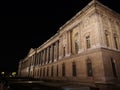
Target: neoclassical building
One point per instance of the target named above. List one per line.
(86, 49)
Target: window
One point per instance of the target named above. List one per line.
(43, 72)
(74, 68)
(76, 47)
(37, 72)
(76, 38)
(63, 51)
(113, 67)
(107, 38)
(115, 41)
(63, 69)
(47, 71)
(57, 71)
(88, 42)
(89, 68)
(53, 53)
(52, 71)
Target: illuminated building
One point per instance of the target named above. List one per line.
(85, 49)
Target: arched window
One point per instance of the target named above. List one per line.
(113, 67)
(63, 69)
(74, 68)
(89, 68)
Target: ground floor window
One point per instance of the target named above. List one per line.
(74, 68)
(63, 69)
(113, 67)
(89, 68)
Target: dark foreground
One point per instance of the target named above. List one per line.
(26, 86)
(20, 84)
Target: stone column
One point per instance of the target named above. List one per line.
(57, 51)
(51, 52)
(40, 58)
(80, 39)
(60, 49)
(69, 43)
(45, 56)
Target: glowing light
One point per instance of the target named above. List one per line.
(13, 73)
(2, 73)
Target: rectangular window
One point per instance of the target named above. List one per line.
(57, 71)
(43, 72)
(52, 71)
(88, 41)
(116, 44)
(89, 68)
(63, 51)
(63, 69)
(74, 68)
(107, 39)
(113, 67)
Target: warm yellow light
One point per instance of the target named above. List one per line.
(13, 73)
(3, 73)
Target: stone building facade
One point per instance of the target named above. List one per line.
(85, 49)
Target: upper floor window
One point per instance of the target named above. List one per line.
(116, 41)
(76, 47)
(89, 67)
(74, 68)
(76, 43)
(63, 51)
(88, 45)
(107, 39)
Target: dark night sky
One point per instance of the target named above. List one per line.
(28, 24)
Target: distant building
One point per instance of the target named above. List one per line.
(85, 49)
